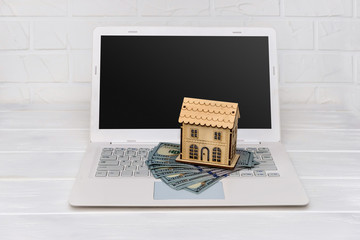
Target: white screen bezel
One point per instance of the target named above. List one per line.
(161, 135)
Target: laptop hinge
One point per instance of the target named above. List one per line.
(127, 141)
(248, 142)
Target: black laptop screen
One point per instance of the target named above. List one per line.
(143, 79)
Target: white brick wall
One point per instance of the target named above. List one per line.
(34, 68)
(45, 45)
(14, 35)
(50, 35)
(103, 8)
(33, 8)
(175, 8)
(319, 8)
(247, 7)
(316, 68)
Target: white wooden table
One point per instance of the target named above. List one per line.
(41, 148)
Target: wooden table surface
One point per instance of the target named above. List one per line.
(40, 152)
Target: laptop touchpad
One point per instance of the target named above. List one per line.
(164, 192)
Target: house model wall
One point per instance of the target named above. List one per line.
(208, 132)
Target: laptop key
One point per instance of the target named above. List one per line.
(144, 149)
(143, 153)
(246, 174)
(109, 163)
(119, 153)
(135, 158)
(141, 173)
(137, 163)
(131, 153)
(107, 149)
(266, 161)
(106, 153)
(126, 173)
(273, 174)
(105, 158)
(265, 167)
(125, 163)
(262, 150)
(251, 149)
(259, 173)
(144, 167)
(110, 168)
(123, 158)
(132, 168)
(113, 173)
(235, 174)
(120, 149)
(100, 174)
(266, 155)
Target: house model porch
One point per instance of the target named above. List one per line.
(208, 133)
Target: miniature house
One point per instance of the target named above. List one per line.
(208, 133)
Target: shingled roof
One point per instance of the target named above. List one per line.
(209, 113)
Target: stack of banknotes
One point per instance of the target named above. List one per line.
(193, 178)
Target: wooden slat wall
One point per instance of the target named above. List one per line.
(41, 150)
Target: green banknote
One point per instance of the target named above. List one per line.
(165, 150)
(160, 174)
(202, 186)
(193, 178)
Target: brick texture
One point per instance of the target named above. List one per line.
(33, 8)
(247, 7)
(175, 8)
(45, 45)
(319, 8)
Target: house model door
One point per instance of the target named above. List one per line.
(205, 154)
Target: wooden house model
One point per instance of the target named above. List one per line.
(208, 133)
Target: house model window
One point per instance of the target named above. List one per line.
(208, 132)
(193, 152)
(216, 154)
(194, 133)
(217, 136)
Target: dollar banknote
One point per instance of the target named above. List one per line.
(193, 178)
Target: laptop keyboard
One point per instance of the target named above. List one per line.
(123, 162)
(265, 168)
(130, 162)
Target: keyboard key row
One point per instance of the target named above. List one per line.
(124, 173)
(121, 167)
(255, 150)
(122, 158)
(256, 173)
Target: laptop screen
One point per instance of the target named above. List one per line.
(143, 79)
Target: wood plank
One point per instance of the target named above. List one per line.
(66, 164)
(40, 165)
(326, 165)
(44, 140)
(45, 120)
(51, 196)
(45, 107)
(183, 224)
(321, 140)
(316, 107)
(319, 120)
(75, 140)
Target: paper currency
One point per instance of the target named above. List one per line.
(193, 178)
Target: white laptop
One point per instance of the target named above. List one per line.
(139, 78)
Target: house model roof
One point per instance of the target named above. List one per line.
(209, 113)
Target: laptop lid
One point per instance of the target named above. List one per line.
(141, 74)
